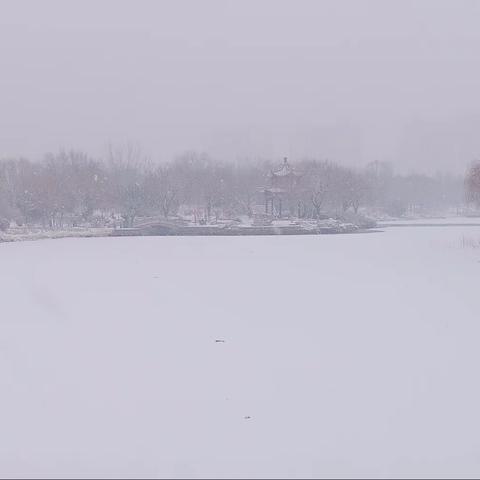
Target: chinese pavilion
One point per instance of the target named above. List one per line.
(281, 184)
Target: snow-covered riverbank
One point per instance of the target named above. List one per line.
(432, 222)
(24, 234)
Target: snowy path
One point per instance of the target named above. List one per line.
(353, 355)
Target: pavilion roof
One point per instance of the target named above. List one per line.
(284, 171)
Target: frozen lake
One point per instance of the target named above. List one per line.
(353, 355)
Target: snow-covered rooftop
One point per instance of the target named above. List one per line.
(285, 170)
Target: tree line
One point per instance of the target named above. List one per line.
(70, 188)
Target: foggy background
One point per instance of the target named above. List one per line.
(352, 81)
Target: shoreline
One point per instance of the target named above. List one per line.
(194, 232)
(215, 231)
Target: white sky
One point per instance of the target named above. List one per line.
(352, 81)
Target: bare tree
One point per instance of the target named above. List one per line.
(472, 184)
(319, 183)
(126, 174)
(245, 180)
(162, 190)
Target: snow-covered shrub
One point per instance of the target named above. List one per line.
(469, 242)
(4, 224)
(396, 208)
(356, 219)
(262, 219)
(337, 226)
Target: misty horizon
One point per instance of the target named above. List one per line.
(352, 82)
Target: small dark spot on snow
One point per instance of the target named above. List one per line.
(247, 417)
(219, 341)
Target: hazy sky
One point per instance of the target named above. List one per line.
(352, 81)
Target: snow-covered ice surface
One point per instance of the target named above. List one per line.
(349, 355)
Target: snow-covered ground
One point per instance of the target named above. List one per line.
(447, 221)
(349, 355)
